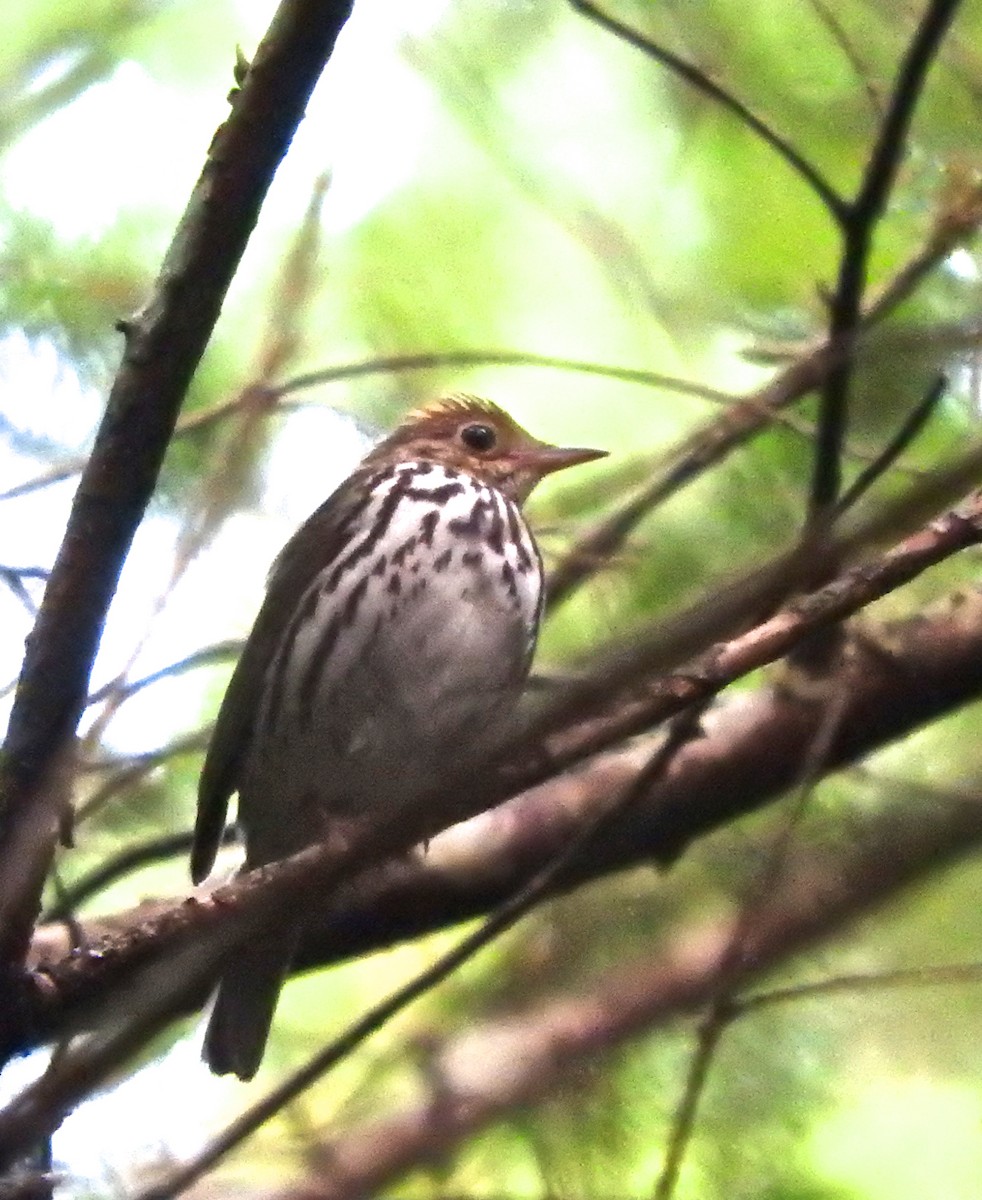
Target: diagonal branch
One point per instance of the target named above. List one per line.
(933, 681)
(164, 343)
(753, 412)
(702, 83)
(476, 1082)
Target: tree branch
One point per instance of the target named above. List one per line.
(699, 80)
(491, 1070)
(164, 343)
(932, 666)
(858, 221)
(749, 414)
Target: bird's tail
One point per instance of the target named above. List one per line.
(245, 1003)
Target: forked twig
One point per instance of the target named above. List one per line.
(858, 220)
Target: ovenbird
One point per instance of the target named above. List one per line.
(388, 656)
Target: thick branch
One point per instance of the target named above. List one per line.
(897, 678)
(488, 1072)
(164, 343)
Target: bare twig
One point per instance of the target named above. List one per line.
(232, 460)
(133, 858)
(849, 51)
(858, 220)
(721, 1009)
(392, 364)
(699, 80)
(504, 358)
(136, 767)
(205, 657)
(749, 414)
(14, 578)
(908, 431)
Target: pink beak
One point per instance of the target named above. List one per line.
(544, 459)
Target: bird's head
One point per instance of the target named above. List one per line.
(473, 435)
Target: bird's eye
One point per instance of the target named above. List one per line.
(478, 437)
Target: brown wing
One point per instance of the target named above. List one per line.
(316, 544)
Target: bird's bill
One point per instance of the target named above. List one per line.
(544, 459)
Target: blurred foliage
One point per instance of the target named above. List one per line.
(531, 184)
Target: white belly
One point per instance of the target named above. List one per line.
(411, 664)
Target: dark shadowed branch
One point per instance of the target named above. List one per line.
(164, 343)
(859, 220)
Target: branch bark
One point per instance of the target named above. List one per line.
(164, 343)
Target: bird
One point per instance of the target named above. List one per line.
(388, 657)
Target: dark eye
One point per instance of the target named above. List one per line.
(478, 437)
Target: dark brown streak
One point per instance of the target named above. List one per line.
(306, 612)
(379, 527)
(401, 553)
(508, 579)
(518, 537)
(315, 668)
(317, 589)
(496, 532)
(438, 495)
(355, 597)
(427, 526)
(470, 526)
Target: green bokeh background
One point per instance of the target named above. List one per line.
(565, 197)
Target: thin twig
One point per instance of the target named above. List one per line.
(195, 422)
(845, 43)
(937, 975)
(125, 775)
(431, 360)
(14, 578)
(733, 963)
(205, 657)
(379, 1015)
(701, 82)
(858, 221)
(124, 863)
(908, 431)
(746, 416)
